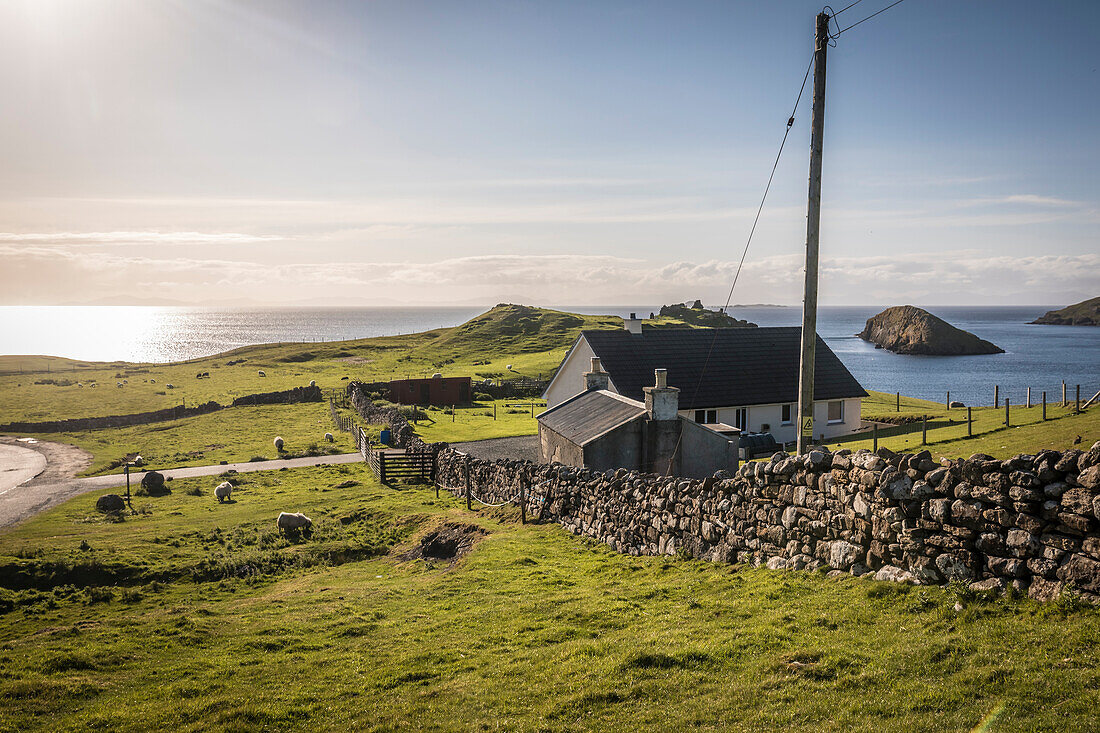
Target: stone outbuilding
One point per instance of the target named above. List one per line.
(602, 430)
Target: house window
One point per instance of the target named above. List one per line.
(741, 418)
(836, 411)
(708, 417)
(787, 414)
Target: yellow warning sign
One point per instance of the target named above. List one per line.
(807, 425)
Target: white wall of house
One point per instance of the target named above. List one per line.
(569, 380)
(759, 416)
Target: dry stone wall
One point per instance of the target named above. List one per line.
(1030, 521)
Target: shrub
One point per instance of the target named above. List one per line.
(482, 397)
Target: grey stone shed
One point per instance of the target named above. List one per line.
(602, 430)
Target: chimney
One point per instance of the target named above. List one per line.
(661, 401)
(633, 324)
(597, 378)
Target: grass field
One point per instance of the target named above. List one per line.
(947, 429)
(480, 422)
(205, 618)
(234, 434)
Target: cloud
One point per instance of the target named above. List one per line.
(56, 274)
(141, 237)
(1028, 199)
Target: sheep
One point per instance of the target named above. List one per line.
(170, 386)
(138, 461)
(313, 383)
(293, 521)
(152, 381)
(329, 437)
(223, 491)
(278, 443)
(261, 372)
(118, 384)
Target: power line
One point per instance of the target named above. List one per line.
(848, 7)
(872, 15)
(748, 241)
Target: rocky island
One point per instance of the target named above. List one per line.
(697, 315)
(1085, 313)
(905, 329)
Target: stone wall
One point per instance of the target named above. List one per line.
(283, 397)
(297, 394)
(1028, 521)
(401, 433)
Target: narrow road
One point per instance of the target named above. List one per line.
(27, 496)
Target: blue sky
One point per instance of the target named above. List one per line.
(587, 152)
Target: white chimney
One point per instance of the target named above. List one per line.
(661, 401)
(633, 324)
(596, 378)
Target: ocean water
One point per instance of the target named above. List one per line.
(1039, 357)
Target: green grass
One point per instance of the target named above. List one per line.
(534, 630)
(234, 434)
(476, 422)
(947, 429)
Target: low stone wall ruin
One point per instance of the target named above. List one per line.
(1028, 521)
(289, 396)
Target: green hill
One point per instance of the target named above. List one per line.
(1085, 313)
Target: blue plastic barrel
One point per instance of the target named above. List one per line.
(384, 436)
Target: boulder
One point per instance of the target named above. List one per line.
(843, 554)
(909, 330)
(110, 503)
(153, 483)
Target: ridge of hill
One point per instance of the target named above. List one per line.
(1085, 313)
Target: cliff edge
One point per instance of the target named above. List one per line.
(1085, 313)
(905, 329)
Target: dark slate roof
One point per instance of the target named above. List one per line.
(590, 414)
(747, 366)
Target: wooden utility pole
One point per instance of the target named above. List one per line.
(813, 231)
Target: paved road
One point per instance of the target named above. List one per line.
(18, 465)
(28, 497)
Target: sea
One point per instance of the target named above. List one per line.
(1040, 357)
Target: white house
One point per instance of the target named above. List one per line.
(744, 377)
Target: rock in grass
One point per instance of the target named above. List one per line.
(906, 329)
(110, 503)
(153, 483)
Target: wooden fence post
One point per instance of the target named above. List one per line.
(969, 424)
(466, 472)
(874, 435)
(1063, 393)
(948, 403)
(1077, 408)
(897, 401)
(1008, 422)
(1044, 405)
(523, 500)
(494, 411)
(924, 431)
(996, 395)
(382, 466)
(1029, 398)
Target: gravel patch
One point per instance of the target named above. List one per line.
(522, 447)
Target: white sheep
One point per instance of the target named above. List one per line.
(313, 383)
(170, 386)
(138, 461)
(223, 491)
(152, 381)
(297, 520)
(261, 372)
(278, 443)
(329, 437)
(118, 384)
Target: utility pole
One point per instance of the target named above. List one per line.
(813, 230)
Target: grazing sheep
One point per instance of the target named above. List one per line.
(138, 461)
(288, 520)
(261, 372)
(329, 437)
(278, 444)
(223, 491)
(118, 384)
(152, 381)
(170, 386)
(313, 383)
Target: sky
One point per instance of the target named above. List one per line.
(600, 152)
